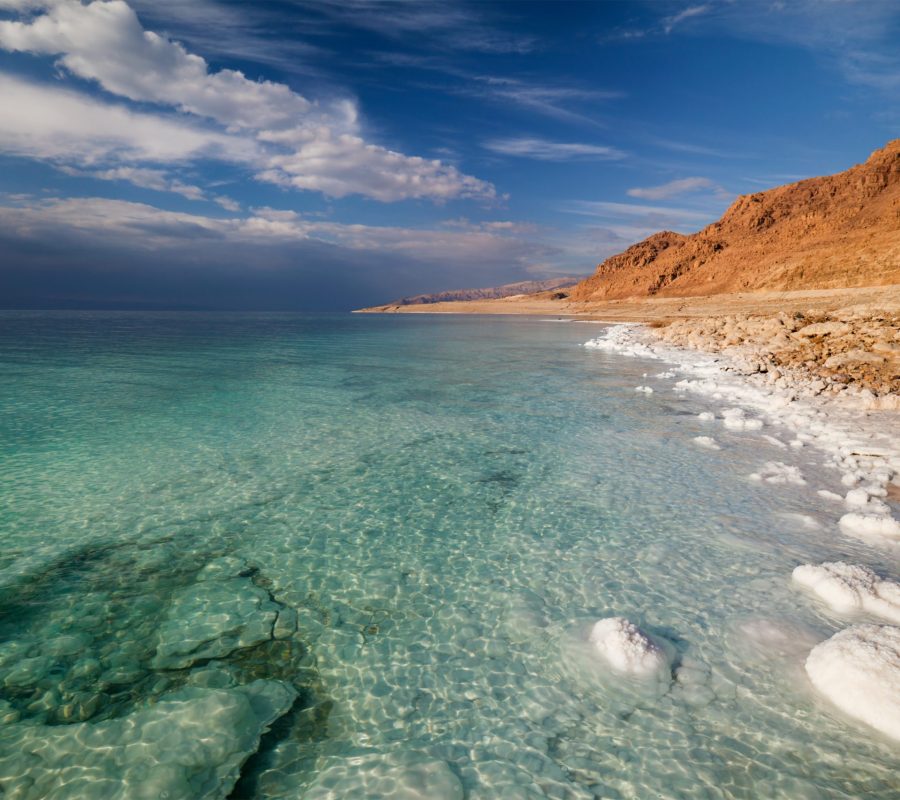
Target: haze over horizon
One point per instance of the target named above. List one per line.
(331, 155)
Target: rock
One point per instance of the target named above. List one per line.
(851, 357)
(211, 619)
(189, 746)
(824, 329)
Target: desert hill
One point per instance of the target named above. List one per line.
(492, 293)
(837, 231)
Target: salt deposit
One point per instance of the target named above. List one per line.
(706, 416)
(211, 619)
(644, 389)
(735, 419)
(849, 588)
(627, 648)
(858, 669)
(858, 442)
(868, 526)
(707, 442)
(189, 746)
(778, 472)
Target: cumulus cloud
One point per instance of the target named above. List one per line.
(672, 188)
(545, 150)
(65, 126)
(299, 143)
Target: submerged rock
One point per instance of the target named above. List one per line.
(189, 746)
(211, 619)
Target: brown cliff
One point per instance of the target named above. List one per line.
(822, 233)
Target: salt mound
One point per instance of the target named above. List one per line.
(211, 619)
(734, 419)
(644, 389)
(189, 746)
(707, 442)
(866, 526)
(627, 648)
(858, 669)
(848, 587)
(778, 472)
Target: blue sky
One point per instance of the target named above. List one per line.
(326, 155)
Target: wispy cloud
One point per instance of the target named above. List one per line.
(672, 188)
(546, 150)
(857, 38)
(296, 142)
(669, 23)
(447, 25)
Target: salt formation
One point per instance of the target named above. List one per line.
(706, 441)
(627, 648)
(213, 618)
(858, 669)
(189, 746)
(870, 526)
(778, 472)
(735, 419)
(861, 447)
(644, 389)
(706, 416)
(848, 588)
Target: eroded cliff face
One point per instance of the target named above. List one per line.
(821, 233)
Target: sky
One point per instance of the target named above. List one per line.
(292, 155)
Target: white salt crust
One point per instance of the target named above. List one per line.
(706, 441)
(778, 472)
(859, 442)
(627, 649)
(858, 669)
(850, 588)
(188, 746)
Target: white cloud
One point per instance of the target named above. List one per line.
(64, 126)
(308, 145)
(672, 188)
(691, 11)
(545, 150)
(228, 203)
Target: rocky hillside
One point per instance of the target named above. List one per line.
(837, 231)
(507, 290)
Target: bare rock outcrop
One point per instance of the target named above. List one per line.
(831, 232)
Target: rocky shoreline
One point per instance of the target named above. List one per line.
(853, 351)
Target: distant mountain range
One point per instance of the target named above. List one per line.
(493, 293)
(821, 233)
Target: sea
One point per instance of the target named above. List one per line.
(313, 556)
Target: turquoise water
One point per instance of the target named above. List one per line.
(384, 539)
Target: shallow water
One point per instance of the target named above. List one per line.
(441, 507)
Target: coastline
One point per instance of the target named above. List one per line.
(851, 342)
(857, 669)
